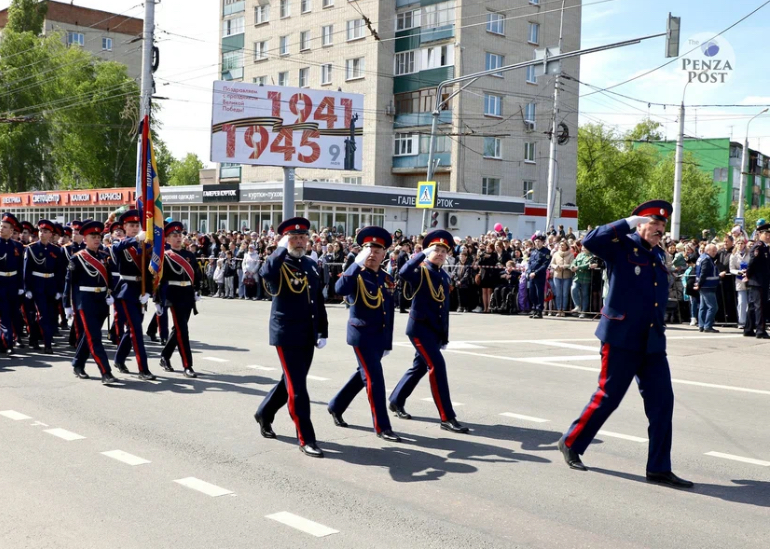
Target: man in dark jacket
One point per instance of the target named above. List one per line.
(707, 282)
(758, 274)
(539, 260)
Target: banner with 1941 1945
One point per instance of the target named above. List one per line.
(282, 126)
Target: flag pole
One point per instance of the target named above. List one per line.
(143, 213)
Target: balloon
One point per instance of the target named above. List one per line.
(499, 227)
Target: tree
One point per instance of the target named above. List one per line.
(185, 171)
(647, 130)
(163, 160)
(27, 16)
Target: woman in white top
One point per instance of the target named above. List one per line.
(739, 262)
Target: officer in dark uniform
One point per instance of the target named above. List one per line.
(758, 274)
(539, 260)
(129, 296)
(369, 289)
(403, 257)
(298, 325)
(159, 322)
(44, 270)
(632, 333)
(28, 233)
(70, 250)
(428, 328)
(179, 290)
(87, 288)
(11, 279)
(118, 317)
(28, 236)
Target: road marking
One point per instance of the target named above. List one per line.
(18, 355)
(302, 524)
(63, 433)
(318, 378)
(14, 415)
(739, 458)
(183, 386)
(214, 359)
(262, 368)
(701, 336)
(430, 399)
(38, 424)
(717, 386)
(525, 418)
(125, 457)
(462, 345)
(564, 345)
(632, 438)
(203, 487)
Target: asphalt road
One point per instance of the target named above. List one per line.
(180, 463)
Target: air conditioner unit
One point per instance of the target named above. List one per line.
(452, 221)
(529, 126)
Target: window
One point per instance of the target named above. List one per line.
(358, 180)
(439, 15)
(261, 14)
(529, 152)
(533, 36)
(260, 51)
(305, 6)
(490, 185)
(496, 23)
(531, 76)
(407, 20)
(494, 61)
(232, 61)
(327, 34)
(233, 26)
(327, 3)
(443, 144)
(418, 101)
(76, 39)
(528, 189)
(326, 73)
(354, 68)
(437, 56)
(283, 78)
(304, 40)
(283, 45)
(493, 147)
(285, 12)
(304, 75)
(405, 144)
(234, 6)
(355, 29)
(493, 105)
(529, 114)
(260, 80)
(405, 63)
(106, 44)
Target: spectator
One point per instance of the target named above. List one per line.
(462, 278)
(251, 266)
(739, 262)
(230, 273)
(219, 278)
(691, 294)
(582, 280)
(561, 270)
(707, 283)
(489, 273)
(211, 267)
(504, 295)
(238, 256)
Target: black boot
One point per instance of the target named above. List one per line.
(166, 364)
(399, 411)
(454, 426)
(571, 457)
(189, 372)
(312, 450)
(147, 376)
(389, 436)
(669, 479)
(338, 421)
(120, 367)
(80, 372)
(265, 428)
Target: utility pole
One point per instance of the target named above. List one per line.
(554, 129)
(676, 214)
(148, 41)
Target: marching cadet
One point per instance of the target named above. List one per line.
(178, 292)
(159, 322)
(44, 271)
(370, 328)
(11, 279)
(632, 333)
(70, 250)
(28, 232)
(428, 328)
(758, 274)
(118, 318)
(298, 325)
(129, 296)
(28, 235)
(87, 287)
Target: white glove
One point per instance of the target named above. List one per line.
(636, 220)
(144, 298)
(110, 300)
(362, 255)
(443, 347)
(284, 242)
(386, 353)
(68, 312)
(28, 295)
(57, 297)
(21, 291)
(197, 296)
(141, 236)
(158, 309)
(429, 251)
(321, 343)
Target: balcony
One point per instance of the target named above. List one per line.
(423, 79)
(408, 164)
(232, 74)
(437, 33)
(421, 119)
(232, 43)
(235, 7)
(404, 3)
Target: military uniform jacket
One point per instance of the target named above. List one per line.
(298, 314)
(128, 255)
(181, 277)
(368, 326)
(114, 271)
(428, 315)
(87, 282)
(539, 260)
(40, 262)
(634, 311)
(758, 270)
(73, 248)
(11, 267)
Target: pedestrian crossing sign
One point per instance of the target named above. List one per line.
(426, 194)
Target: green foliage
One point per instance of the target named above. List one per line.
(163, 160)
(27, 16)
(185, 171)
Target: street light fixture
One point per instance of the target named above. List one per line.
(745, 168)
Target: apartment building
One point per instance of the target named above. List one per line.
(494, 134)
(107, 35)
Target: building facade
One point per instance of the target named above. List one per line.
(108, 36)
(494, 135)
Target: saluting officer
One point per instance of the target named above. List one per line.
(179, 290)
(87, 288)
(633, 337)
(298, 325)
(428, 328)
(44, 270)
(758, 274)
(11, 279)
(129, 296)
(370, 328)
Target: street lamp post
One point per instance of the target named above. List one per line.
(745, 169)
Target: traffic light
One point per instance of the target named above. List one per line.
(434, 219)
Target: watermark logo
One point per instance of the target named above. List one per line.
(709, 59)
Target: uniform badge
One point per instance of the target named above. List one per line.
(636, 251)
(638, 270)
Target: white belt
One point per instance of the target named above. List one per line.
(93, 289)
(130, 278)
(8, 274)
(42, 275)
(182, 283)
(116, 274)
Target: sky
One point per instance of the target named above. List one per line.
(189, 65)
